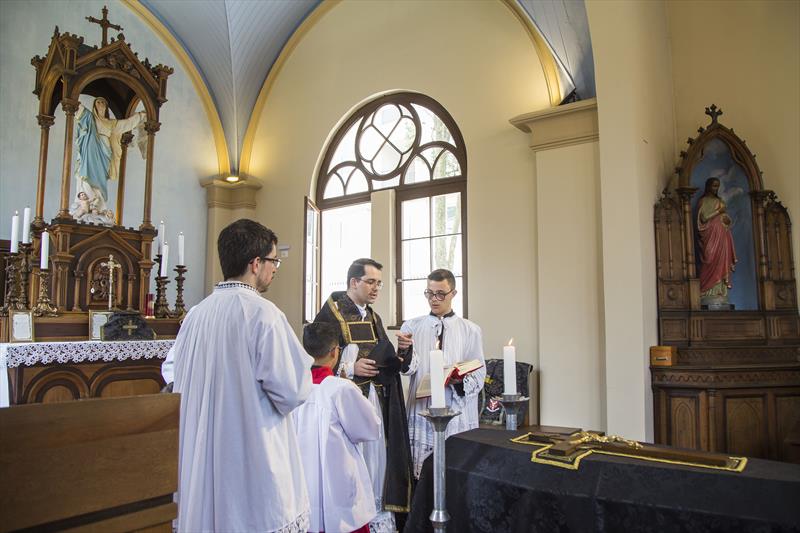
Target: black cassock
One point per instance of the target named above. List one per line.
(370, 337)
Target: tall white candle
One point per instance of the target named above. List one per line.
(162, 233)
(180, 250)
(45, 255)
(26, 225)
(164, 260)
(15, 233)
(509, 369)
(437, 379)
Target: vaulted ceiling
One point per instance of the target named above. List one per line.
(234, 44)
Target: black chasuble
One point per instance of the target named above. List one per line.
(368, 334)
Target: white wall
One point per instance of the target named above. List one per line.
(184, 149)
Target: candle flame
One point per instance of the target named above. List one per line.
(510, 342)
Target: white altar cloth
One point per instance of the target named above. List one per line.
(33, 353)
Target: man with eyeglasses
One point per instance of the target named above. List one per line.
(241, 371)
(370, 360)
(460, 340)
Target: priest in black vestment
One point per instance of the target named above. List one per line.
(370, 360)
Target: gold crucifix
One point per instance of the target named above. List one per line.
(130, 327)
(111, 264)
(105, 24)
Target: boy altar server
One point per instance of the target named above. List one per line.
(335, 418)
(460, 340)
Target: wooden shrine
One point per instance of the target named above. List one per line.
(727, 306)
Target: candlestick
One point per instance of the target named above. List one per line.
(164, 260)
(181, 249)
(180, 307)
(44, 306)
(15, 233)
(162, 307)
(26, 225)
(12, 286)
(437, 378)
(514, 407)
(509, 369)
(44, 254)
(24, 274)
(439, 418)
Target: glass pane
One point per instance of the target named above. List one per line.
(430, 154)
(345, 237)
(312, 275)
(385, 118)
(458, 301)
(414, 302)
(385, 184)
(446, 167)
(414, 216)
(370, 142)
(417, 171)
(433, 129)
(447, 253)
(387, 160)
(403, 136)
(446, 212)
(346, 151)
(333, 188)
(416, 258)
(357, 183)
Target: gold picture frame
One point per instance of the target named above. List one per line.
(97, 319)
(20, 326)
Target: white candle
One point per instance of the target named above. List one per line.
(45, 255)
(180, 249)
(437, 379)
(15, 233)
(26, 225)
(164, 260)
(162, 232)
(509, 369)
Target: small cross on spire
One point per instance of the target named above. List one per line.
(105, 24)
(714, 112)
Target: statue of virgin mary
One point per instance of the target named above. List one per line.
(98, 152)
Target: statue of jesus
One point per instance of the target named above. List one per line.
(99, 149)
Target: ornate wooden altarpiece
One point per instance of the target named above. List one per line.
(734, 383)
(79, 252)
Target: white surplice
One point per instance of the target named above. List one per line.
(462, 341)
(240, 371)
(330, 424)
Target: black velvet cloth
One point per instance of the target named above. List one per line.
(492, 485)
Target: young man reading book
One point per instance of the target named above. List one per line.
(332, 422)
(461, 342)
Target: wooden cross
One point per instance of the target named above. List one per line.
(105, 24)
(111, 264)
(130, 327)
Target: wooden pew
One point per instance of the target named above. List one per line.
(90, 465)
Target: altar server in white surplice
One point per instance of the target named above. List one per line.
(332, 423)
(460, 340)
(240, 371)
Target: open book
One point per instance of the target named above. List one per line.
(457, 371)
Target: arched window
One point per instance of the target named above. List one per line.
(402, 141)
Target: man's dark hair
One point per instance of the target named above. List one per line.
(442, 274)
(319, 338)
(240, 243)
(357, 270)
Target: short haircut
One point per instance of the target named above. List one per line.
(357, 269)
(240, 243)
(319, 338)
(442, 274)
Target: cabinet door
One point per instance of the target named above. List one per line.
(746, 426)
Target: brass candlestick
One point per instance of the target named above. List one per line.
(24, 273)
(12, 289)
(180, 307)
(162, 307)
(44, 307)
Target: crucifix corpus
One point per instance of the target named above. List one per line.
(111, 265)
(105, 24)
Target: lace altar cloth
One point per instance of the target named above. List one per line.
(34, 353)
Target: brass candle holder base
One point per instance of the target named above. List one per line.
(11, 301)
(162, 307)
(24, 274)
(44, 307)
(180, 307)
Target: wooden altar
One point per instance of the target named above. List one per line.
(734, 383)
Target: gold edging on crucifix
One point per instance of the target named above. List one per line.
(105, 24)
(111, 264)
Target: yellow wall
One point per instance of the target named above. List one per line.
(744, 57)
(477, 60)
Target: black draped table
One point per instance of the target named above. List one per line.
(492, 485)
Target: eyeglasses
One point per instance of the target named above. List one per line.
(372, 282)
(274, 260)
(438, 295)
